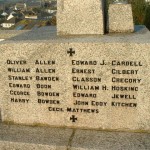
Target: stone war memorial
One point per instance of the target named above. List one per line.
(79, 76)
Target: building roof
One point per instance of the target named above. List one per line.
(12, 20)
(20, 4)
(29, 13)
(33, 4)
(4, 14)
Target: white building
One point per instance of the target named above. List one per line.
(9, 23)
(148, 1)
(20, 6)
(4, 14)
(50, 11)
(10, 16)
(30, 15)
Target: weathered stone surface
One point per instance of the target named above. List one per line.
(71, 77)
(89, 140)
(120, 18)
(43, 138)
(33, 138)
(75, 17)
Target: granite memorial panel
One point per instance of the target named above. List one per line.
(84, 85)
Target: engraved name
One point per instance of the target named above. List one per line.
(44, 62)
(81, 62)
(16, 62)
(27, 70)
(114, 71)
(126, 63)
(42, 70)
(86, 79)
(126, 80)
(17, 85)
(84, 87)
(83, 71)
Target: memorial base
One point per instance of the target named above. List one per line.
(43, 138)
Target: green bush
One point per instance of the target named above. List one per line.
(147, 18)
(139, 11)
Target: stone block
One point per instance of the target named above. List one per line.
(81, 82)
(89, 140)
(14, 137)
(120, 18)
(75, 17)
(33, 138)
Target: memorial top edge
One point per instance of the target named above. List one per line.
(141, 35)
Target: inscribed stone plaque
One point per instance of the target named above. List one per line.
(84, 83)
(75, 17)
